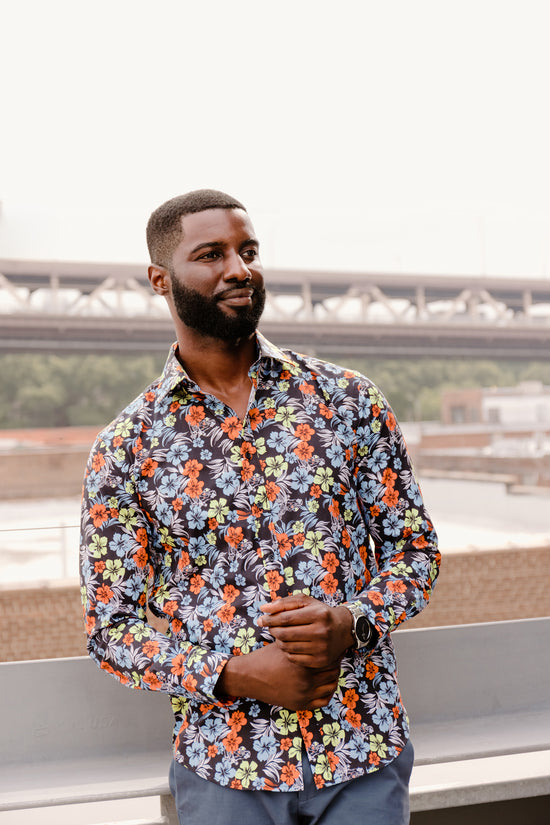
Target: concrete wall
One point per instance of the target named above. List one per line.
(45, 621)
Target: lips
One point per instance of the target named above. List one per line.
(237, 297)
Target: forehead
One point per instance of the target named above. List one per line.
(216, 226)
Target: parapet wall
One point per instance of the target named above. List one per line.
(44, 621)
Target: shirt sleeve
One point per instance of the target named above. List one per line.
(117, 570)
(406, 561)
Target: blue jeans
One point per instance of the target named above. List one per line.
(379, 798)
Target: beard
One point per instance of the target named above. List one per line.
(205, 316)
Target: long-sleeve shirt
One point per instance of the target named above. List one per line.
(203, 517)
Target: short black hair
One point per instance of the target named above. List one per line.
(164, 229)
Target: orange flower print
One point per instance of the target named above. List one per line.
(271, 490)
(225, 614)
(353, 718)
(152, 680)
(374, 759)
(193, 488)
(334, 508)
(274, 580)
(151, 648)
(391, 422)
(232, 741)
(325, 412)
(371, 670)
(196, 584)
(232, 426)
(319, 781)
(255, 417)
(141, 536)
(304, 432)
(230, 593)
(247, 448)
(375, 510)
(333, 760)
(237, 720)
(150, 396)
(283, 543)
(391, 497)
(315, 490)
(195, 415)
(286, 743)
(304, 451)
(303, 717)
(178, 665)
(192, 468)
(420, 542)
(234, 536)
(307, 389)
(388, 477)
(375, 597)
(148, 467)
(140, 557)
(329, 584)
(99, 566)
(190, 683)
(128, 639)
(212, 751)
(104, 593)
(170, 607)
(98, 514)
(177, 504)
(174, 406)
(98, 462)
(118, 441)
(397, 587)
(289, 774)
(247, 470)
(236, 785)
(350, 698)
(375, 410)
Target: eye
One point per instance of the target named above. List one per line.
(250, 254)
(210, 256)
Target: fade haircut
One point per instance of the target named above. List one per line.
(164, 229)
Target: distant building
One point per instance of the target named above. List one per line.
(528, 403)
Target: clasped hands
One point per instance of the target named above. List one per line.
(300, 669)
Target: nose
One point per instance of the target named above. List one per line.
(236, 269)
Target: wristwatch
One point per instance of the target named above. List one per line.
(362, 628)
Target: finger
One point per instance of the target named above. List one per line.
(287, 618)
(286, 603)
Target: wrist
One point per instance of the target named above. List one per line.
(361, 629)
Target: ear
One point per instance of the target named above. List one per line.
(159, 278)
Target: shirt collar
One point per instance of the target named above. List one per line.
(174, 374)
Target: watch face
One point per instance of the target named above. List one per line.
(362, 630)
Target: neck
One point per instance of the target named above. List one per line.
(218, 367)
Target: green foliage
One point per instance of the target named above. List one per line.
(414, 388)
(62, 390)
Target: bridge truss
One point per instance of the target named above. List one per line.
(89, 307)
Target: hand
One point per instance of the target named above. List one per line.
(310, 632)
(267, 674)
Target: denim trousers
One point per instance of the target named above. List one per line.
(379, 798)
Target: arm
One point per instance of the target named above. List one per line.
(405, 543)
(400, 566)
(117, 568)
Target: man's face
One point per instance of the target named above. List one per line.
(216, 276)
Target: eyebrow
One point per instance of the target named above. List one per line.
(220, 244)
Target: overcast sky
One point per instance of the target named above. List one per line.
(410, 135)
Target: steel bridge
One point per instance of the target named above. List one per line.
(94, 307)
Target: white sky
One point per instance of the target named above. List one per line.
(405, 135)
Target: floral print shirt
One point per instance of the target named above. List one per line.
(202, 517)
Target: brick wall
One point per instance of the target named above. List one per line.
(45, 621)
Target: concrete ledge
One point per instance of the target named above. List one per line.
(474, 781)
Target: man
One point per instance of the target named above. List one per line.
(263, 503)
